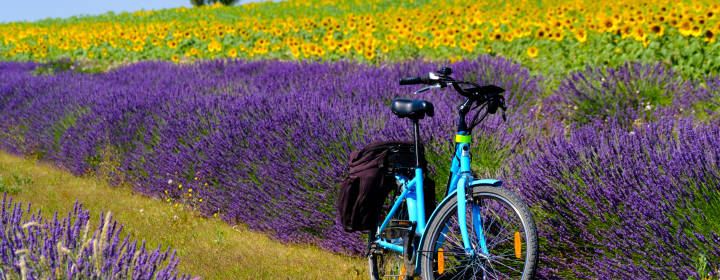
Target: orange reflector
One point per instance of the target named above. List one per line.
(402, 273)
(441, 261)
(518, 245)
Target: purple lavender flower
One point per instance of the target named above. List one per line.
(35, 248)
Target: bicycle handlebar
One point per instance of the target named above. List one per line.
(442, 80)
(414, 81)
(491, 95)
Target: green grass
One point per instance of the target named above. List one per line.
(209, 248)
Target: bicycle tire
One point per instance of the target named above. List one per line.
(491, 197)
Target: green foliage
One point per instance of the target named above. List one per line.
(704, 270)
(14, 184)
(227, 2)
(55, 66)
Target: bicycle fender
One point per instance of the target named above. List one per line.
(474, 183)
(486, 182)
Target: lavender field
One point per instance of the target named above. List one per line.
(33, 247)
(619, 165)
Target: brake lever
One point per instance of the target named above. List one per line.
(427, 88)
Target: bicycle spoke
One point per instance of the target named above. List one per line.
(494, 270)
(500, 263)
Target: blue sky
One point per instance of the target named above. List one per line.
(31, 10)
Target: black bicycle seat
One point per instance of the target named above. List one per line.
(412, 108)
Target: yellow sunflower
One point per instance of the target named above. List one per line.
(709, 36)
(580, 35)
(232, 53)
(540, 33)
(696, 31)
(369, 54)
(138, 47)
(657, 29)
(639, 33)
(496, 36)
(685, 28)
(608, 24)
(532, 51)
(214, 46)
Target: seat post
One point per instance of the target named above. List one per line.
(416, 128)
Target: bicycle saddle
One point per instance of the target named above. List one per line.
(412, 108)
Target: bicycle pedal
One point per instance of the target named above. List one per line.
(400, 223)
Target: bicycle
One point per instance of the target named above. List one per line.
(478, 231)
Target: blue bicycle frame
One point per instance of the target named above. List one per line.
(461, 181)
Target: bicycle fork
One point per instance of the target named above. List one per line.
(462, 219)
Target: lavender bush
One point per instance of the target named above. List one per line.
(35, 248)
(618, 204)
(622, 93)
(710, 102)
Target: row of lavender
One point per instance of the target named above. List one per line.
(35, 248)
(268, 138)
(263, 143)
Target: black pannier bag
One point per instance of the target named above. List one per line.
(369, 181)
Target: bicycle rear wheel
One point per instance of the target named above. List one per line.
(509, 233)
(385, 263)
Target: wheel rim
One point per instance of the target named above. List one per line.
(505, 236)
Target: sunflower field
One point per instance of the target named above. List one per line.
(248, 113)
(546, 35)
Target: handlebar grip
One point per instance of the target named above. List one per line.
(413, 80)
